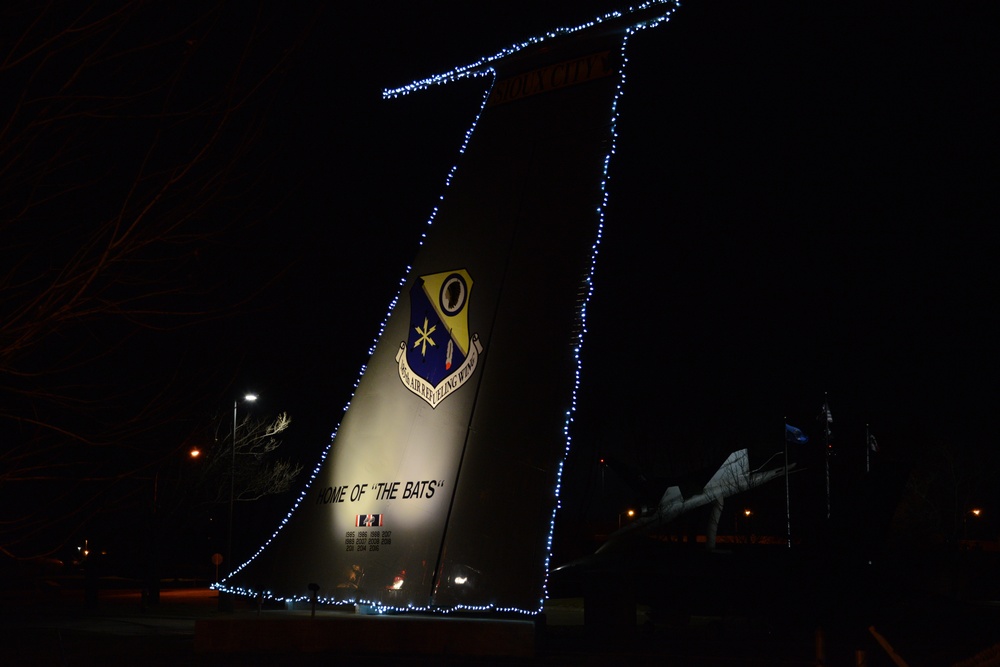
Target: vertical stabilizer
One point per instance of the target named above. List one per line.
(734, 469)
(440, 487)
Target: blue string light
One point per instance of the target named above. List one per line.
(479, 66)
(483, 68)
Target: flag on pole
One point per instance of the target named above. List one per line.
(825, 413)
(795, 435)
(872, 443)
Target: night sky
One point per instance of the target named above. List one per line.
(801, 205)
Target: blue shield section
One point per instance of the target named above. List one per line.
(431, 351)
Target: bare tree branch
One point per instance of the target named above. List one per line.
(129, 153)
(257, 472)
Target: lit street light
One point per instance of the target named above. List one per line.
(151, 593)
(747, 513)
(225, 600)
(975, 512)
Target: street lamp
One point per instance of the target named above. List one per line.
(249, 398)
(976, 512)
(151, 593)
(747, 513)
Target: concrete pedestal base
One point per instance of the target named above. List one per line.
(353, 634)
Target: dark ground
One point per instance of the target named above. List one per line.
(692, 608)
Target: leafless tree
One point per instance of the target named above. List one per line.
(129, 153)
(256, 470)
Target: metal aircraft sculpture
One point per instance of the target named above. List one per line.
(734, 476)
(440, 486)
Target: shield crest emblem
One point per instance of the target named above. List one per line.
(439, 354)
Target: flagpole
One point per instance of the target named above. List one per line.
(788, 506)
(868, 450)
(827, 419)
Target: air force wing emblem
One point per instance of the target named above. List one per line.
(439, 355)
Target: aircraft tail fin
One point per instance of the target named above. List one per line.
(735, 469)
(672, 496)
